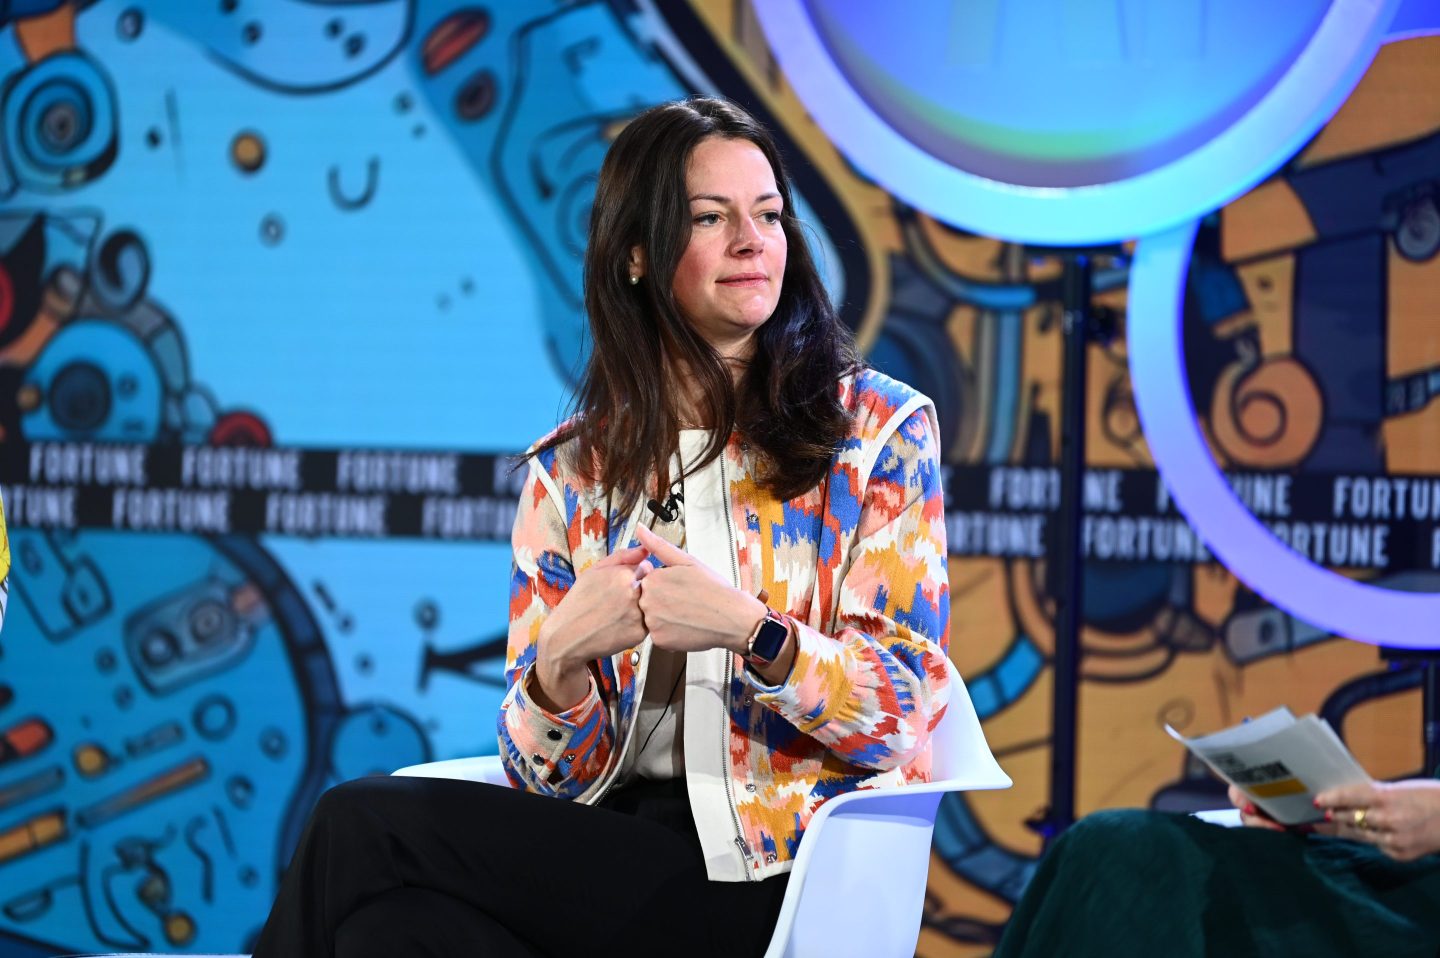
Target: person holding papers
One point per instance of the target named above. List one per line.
(1401, 819)
(1362, 878)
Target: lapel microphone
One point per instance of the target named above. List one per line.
(669, 510)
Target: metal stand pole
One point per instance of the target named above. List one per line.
(1068, 581)
(1431, 698)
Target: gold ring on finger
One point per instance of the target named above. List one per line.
(1360, 814)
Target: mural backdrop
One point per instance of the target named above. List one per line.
(282, 283)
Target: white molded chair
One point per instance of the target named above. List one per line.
(868, 850)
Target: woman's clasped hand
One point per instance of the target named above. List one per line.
(687, 606)
(681, 603)
(599, 617)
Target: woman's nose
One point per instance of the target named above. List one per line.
(748, 239)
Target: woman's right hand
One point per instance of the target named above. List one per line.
(598, 617)
(1401, 818)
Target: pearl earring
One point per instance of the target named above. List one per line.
(634, 280)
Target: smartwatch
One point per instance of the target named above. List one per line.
(767, 640)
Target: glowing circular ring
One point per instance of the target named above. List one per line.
(1201, 180)
(1240, 540)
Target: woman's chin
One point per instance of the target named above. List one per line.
(753, 315)
(745, 329)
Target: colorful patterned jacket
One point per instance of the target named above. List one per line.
(859, 566)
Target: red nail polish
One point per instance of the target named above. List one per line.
(1315, 802)
(1249, 808)
(1329, 815)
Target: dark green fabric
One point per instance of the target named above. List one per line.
(1154, 884)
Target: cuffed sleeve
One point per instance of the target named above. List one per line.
(564, 753)
(873, 690)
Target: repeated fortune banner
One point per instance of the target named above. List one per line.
(285, 286)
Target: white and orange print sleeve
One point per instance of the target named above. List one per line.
(560, 754)
(872, 691)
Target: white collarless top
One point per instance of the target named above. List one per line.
(658, 751)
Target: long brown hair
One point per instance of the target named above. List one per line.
(786, 403)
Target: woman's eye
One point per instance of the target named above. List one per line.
(708, 219)
(770, 216)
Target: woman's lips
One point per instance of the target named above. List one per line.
(744, 279)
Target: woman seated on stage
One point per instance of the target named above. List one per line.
(729, 604)
(1365, 881)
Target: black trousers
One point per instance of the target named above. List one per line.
(393, 866)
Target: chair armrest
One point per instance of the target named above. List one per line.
(1227, 817)
(485, 768)
(883, 834)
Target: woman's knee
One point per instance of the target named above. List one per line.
(1120, 834)
(1110, 824)
(372, 791)
(350, 803)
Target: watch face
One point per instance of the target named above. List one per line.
(770, 640)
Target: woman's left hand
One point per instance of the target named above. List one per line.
(687, 606)
(1402, 818)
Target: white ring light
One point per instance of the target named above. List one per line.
(1241, 541)
(1212, 174)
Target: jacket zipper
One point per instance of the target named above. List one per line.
(740, 842)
